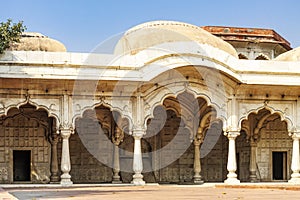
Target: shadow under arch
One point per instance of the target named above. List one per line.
(214, 152)
(242, 56)
(36, 106)
(94, 142)
(190, 106)
(30, 131)
(266, 132)
(104, 105)
(243, 152)
(262, 56)
(168, 141)
(271, 110)
(189, 79)
(166, 128)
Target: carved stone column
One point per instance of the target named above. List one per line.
(252, 165)
(137, 158)
(116, 169)
(231, 164)
(295, 177)
(117, 139)
(197, 164)
(65, 158)
(54, 162)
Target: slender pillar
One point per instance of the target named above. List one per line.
(295, 177)
(137, 158)
(117, 138)
(252, 166)
(116, 170)
(65, 158)
(231, 164)
(197, 164)
(54, 162)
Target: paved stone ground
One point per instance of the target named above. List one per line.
(154, 192)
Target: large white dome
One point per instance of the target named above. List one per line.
(157, 32)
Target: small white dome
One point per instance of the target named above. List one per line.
(31, 41)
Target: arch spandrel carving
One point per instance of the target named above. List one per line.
(123, 107)
(190, 118)
(156, 99)
(51, 106)
(284, 110)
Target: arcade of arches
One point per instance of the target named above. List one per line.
(101, 150)
(168, 103)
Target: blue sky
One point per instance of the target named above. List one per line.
(82, 24)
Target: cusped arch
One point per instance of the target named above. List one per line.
(172, 109)
(220, 109)
(242, 56)
(150, 114)
(202, 125)
(262, 56)
(110, 107)
(37, 107)
(219, 105)
(283, 116)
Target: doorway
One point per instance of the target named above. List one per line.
(279, 165)
(21, 165)
(238, 165)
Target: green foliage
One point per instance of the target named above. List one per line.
(10, 32)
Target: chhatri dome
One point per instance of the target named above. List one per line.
(31, 41)
(154, 33)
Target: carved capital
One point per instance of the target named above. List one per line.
(232, 134)
(253, 143)
(66, 130)
(65, 133)
(295, 134)
(197, 142)
(138, 132)
(54, 138)
(65, 125)
(118, 136)
(231, 129)
(199, 137)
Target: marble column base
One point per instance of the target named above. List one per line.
(295, 178)
(197, 180)
(116, 182)
(116, 179)
(253, 177)
(232, 178)
(138, 179)
(65, 180)
(54, 179)
(232, 181)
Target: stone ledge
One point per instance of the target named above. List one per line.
(5, 195)
(280, 186)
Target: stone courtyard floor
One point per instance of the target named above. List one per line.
(152, 192)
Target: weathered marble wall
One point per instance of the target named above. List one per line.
(214, 162)
(273, 137)
(243, 158)
(25, 129)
